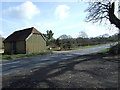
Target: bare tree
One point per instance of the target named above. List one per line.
(82, 34)
(64, 36)
(99, 11)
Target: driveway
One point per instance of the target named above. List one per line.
(23, 64)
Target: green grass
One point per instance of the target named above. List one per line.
(7, 57)
(83, 47)
(104, 51)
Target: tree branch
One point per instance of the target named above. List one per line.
(112, 18)
(98, 11)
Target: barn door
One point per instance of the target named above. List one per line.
(13, 47)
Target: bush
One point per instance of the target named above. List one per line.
(115, 49)
(66, 44)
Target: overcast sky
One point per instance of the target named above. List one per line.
(60, 17)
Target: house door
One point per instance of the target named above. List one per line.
(13, 47)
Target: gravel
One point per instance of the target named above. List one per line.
(87, 71)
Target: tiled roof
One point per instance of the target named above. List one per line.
(21, 35)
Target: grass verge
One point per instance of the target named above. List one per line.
(114, 50)
(83, 47)
(104, 51)
(7, 57)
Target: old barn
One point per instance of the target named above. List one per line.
(23, 41)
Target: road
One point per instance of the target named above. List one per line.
(23, 64)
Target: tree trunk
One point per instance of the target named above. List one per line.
(112, 18)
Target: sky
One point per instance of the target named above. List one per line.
(60, 17)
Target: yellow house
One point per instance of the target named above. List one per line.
(27, 40)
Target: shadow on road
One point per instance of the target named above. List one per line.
(94, 70)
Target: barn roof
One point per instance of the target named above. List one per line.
(21, 35)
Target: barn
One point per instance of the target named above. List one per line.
(25, 41)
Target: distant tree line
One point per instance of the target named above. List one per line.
(65, 42)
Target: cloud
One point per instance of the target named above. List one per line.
(97, 30)
(1, 32)
(62, 11)
(24, 11)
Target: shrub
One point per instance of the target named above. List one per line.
(115, 49)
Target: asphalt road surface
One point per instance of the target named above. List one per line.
(17, 65)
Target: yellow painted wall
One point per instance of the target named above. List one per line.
(20, 46)
(35, 43)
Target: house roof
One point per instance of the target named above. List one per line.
(21, 35)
